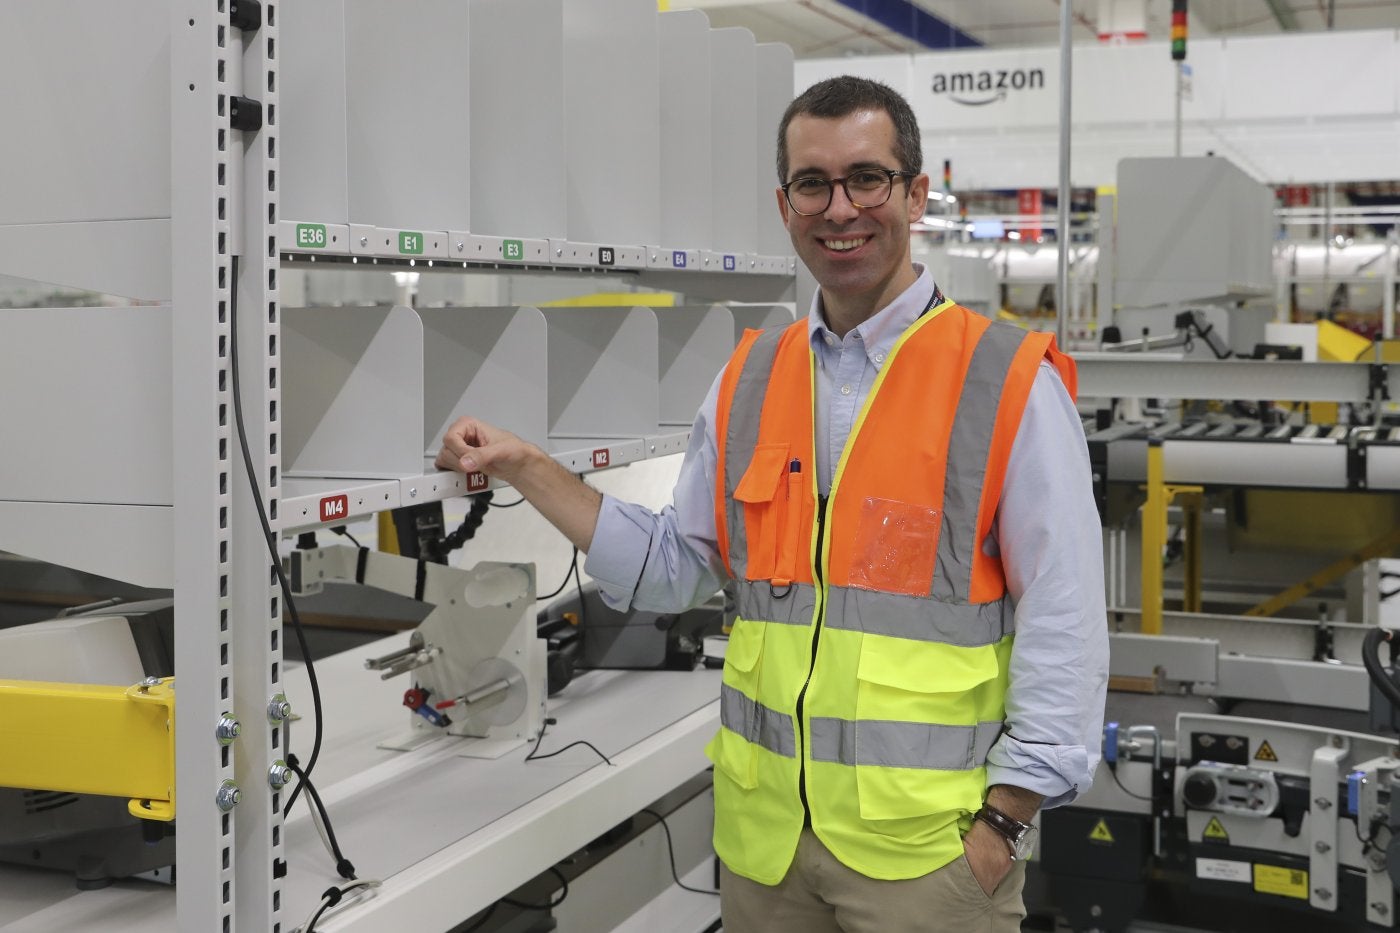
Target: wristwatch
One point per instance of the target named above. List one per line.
(1020, 837)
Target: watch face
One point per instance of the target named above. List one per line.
(1024, 844)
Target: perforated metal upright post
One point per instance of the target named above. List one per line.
(227, 615)
(257, 598)
(204, 455)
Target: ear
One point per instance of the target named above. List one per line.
(783, 206)
(918, 197)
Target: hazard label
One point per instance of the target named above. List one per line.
(1101, 833)
(1265, 752)
(1214, 831)
(1285, 882)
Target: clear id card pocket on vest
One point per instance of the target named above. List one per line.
(896, 546)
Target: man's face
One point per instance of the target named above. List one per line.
(855, 254)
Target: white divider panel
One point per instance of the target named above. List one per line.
(696, 342)
(602, 375)
(612, 98)
(353, 394)
(87, 416)
(88, 112)
(687, 203)
(311, 86)
(733, 139)
(484, 362)
(517, 116)
(758, 317)
(409, 138)
(774, 70)
(375, 97)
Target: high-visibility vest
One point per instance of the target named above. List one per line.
(867, 670)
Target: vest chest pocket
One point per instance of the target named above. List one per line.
(764, 492)
(915, 730)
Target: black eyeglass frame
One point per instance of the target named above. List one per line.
(831, 184)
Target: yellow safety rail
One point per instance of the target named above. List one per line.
(91, 739)
(1385, 544)
(1160, 496)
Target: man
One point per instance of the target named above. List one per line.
(896, 488)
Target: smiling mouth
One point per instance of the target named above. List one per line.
(846, 245)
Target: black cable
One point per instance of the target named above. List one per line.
(573, 569)
(533, 756)
(671, 851)
(330, 898)
(345, 532)
(507, 505)
(484, 918)
(549, 906)
(1370, 656)
(1113, 772)
(343, 865)
(578, 579)
(271, 538)
(476, 514)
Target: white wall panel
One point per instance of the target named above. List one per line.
(687, 201)
(774, 63)
(734, 139)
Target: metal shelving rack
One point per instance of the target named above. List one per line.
(213, 254)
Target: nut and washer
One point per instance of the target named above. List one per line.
(278, 775)
(278, 708)
(227, 730)
(227, 796)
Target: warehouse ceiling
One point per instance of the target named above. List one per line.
(832, 28)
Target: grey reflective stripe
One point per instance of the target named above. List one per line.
(757, 723)
(968, 448)
(889, 744)
(919, 618)
(741, 438)
(759, 601)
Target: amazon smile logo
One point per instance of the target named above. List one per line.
(979, 88)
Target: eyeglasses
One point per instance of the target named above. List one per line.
(865, 188)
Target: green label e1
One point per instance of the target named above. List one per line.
(410, 243)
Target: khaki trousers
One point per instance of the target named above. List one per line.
(821, 895)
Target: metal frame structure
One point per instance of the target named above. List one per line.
(219, 256)
(228, 616)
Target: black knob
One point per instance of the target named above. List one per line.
(1199, 790)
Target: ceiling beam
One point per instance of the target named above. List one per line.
(914, 22)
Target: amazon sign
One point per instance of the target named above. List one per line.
(979, 88)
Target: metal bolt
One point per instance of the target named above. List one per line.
(364, 241)
(461, 247)
(1322, 894)
(1322, 803)
(150, 682)
(227, 730)
(1323, 847)
(278, 775)
(227, 796)
(413, 492)
(278, 708)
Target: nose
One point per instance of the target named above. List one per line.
(840, 210)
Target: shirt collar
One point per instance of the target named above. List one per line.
(880, 331)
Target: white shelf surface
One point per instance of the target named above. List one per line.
(448, 834)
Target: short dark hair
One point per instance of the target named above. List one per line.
(847, 94)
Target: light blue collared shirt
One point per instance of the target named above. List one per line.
(1046, 531)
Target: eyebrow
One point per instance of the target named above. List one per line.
(809, 171)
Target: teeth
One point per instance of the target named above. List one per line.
(843, 245)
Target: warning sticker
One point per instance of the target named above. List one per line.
(1219, 869)
(1100, 833)
(1214, 831)
(1265, 752)
(1285, 882)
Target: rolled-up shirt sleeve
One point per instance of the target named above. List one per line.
(667, 561)
(1051, 547)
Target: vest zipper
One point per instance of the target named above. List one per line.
(816, 640)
